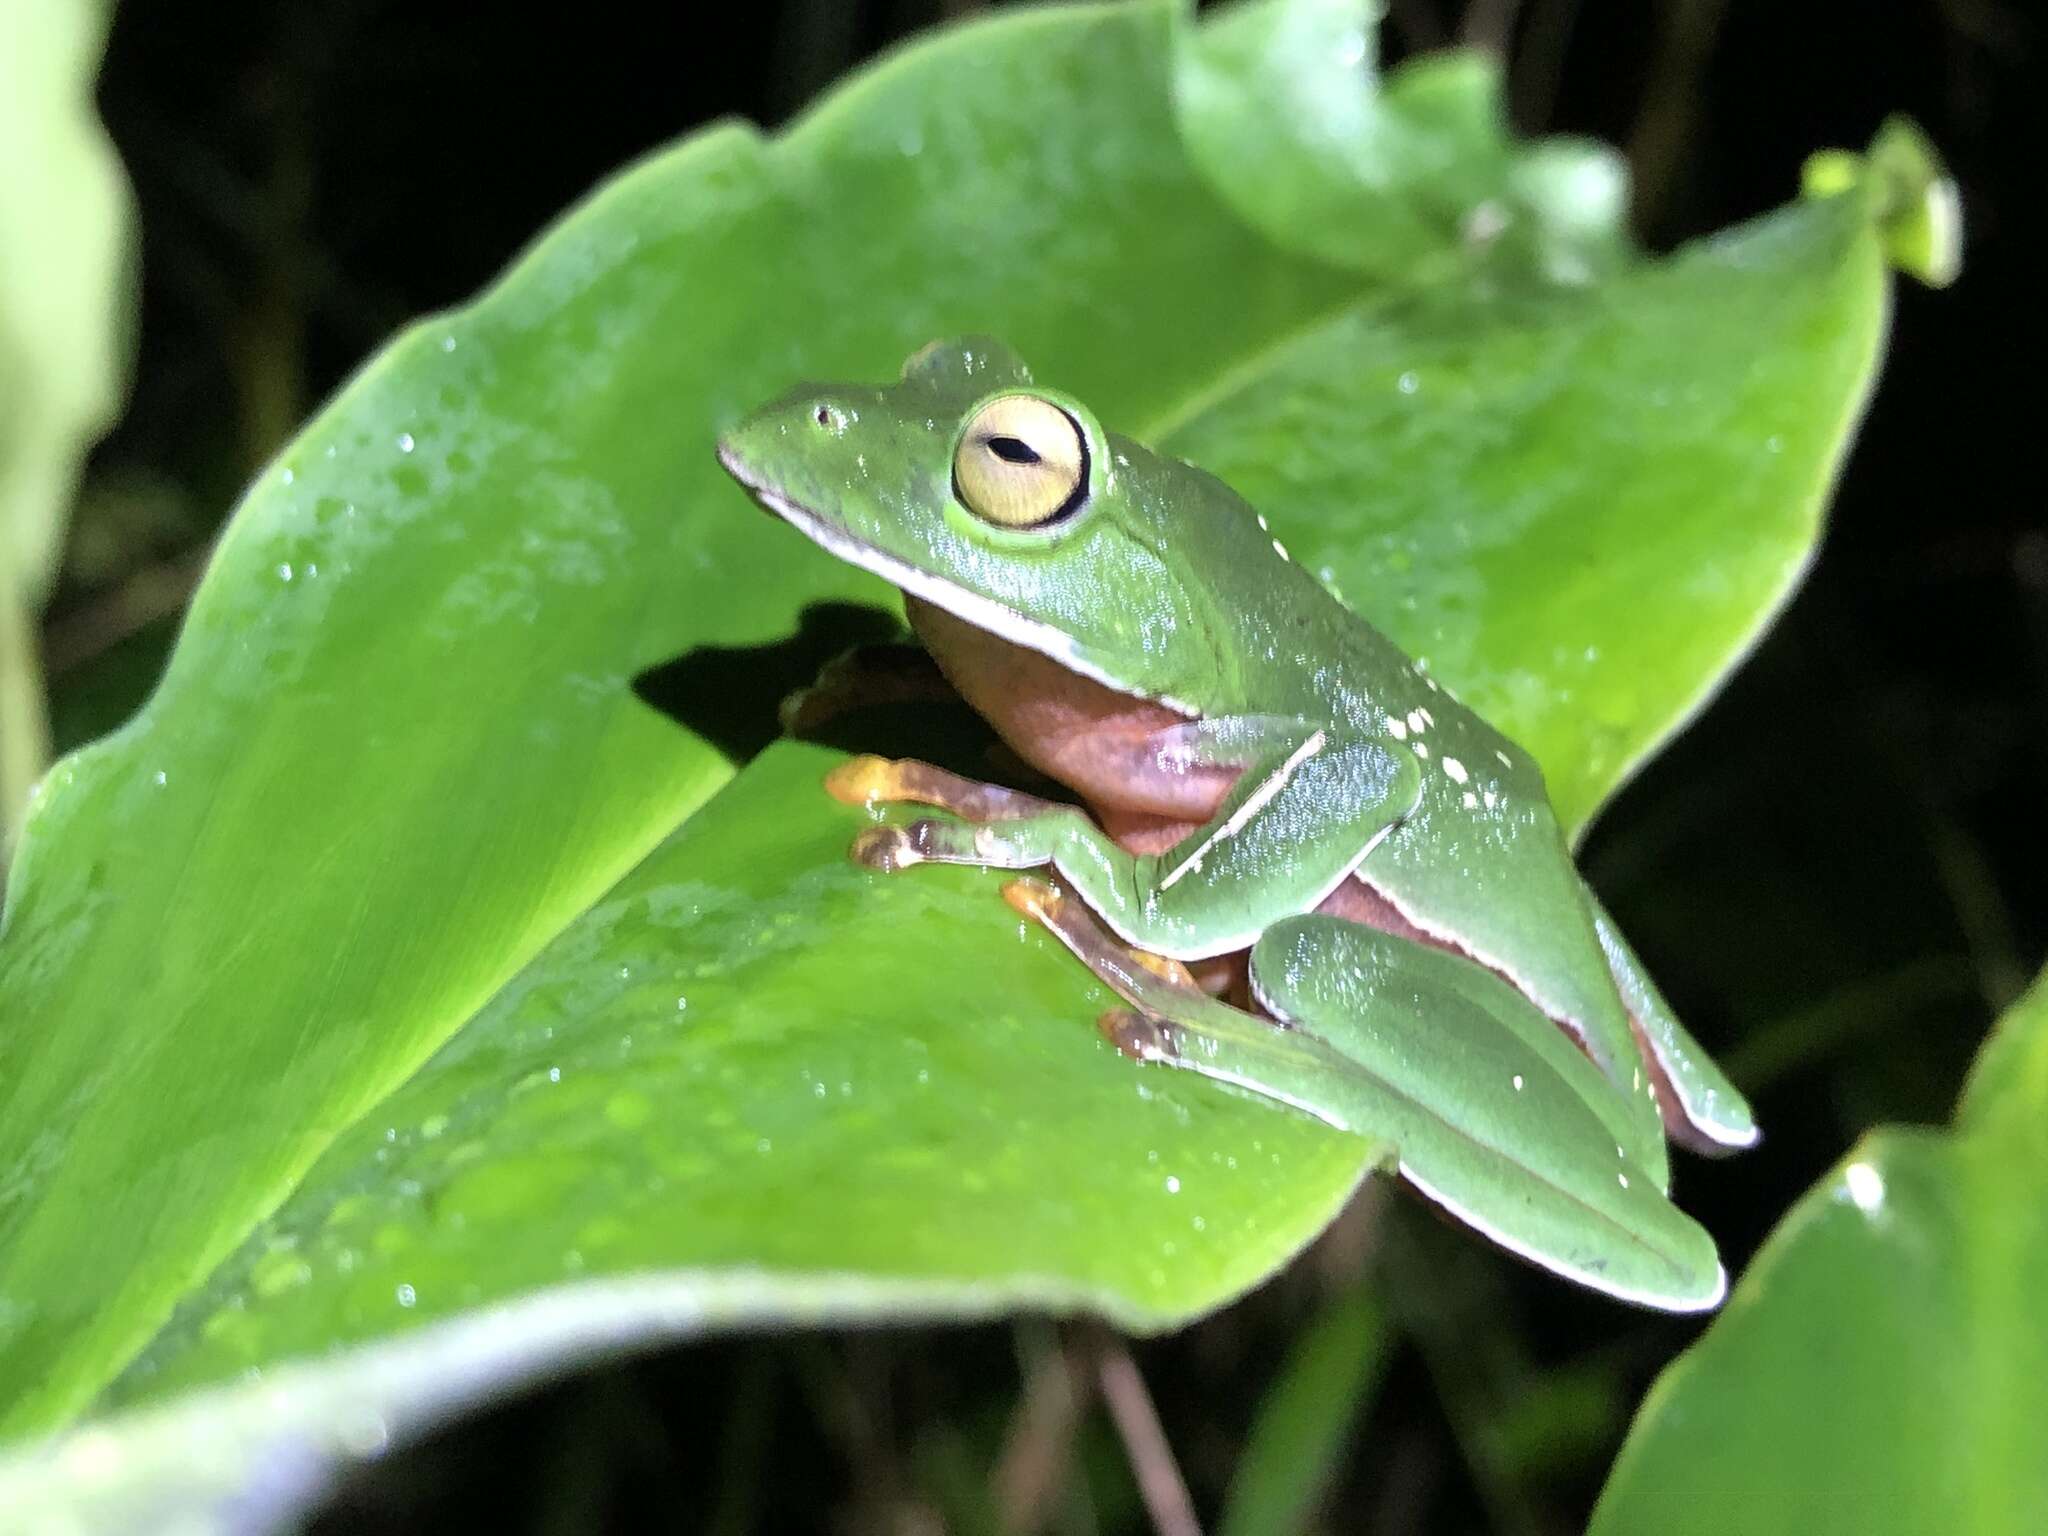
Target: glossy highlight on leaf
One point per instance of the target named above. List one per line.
(1883, 1366)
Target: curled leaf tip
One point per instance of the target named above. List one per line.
(1918, 212)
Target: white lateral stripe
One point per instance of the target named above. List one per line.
(1255, 802)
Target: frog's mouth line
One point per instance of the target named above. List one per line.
(971, 607)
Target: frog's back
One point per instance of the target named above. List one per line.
(1481, 862)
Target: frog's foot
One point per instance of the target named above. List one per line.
(1142, 1036)
(1701, 1108)
(868, 780)
(1140, 977)
(890, 848)
(1453, 1077)
(865, 677)
(1138, 1035)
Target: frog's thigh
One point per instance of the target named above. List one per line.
(1495, 1114)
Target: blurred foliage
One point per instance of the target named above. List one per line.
(1833, 873)
(64, 325)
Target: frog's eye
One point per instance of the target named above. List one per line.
(1021, 463)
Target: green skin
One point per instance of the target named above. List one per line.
(1495, 1029)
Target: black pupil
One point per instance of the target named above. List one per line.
(1013, 450)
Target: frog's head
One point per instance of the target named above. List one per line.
(969, 486)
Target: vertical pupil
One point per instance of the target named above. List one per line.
(1013, 450)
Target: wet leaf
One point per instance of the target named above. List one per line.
(355, 960)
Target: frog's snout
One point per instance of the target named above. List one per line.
(734, 458)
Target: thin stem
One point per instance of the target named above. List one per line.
(1489, 24)
(152, 593)
(24, 714)
(1665, 129)
(1539, 68)
(1794, 1041)
(1416, 23)
(1039, 1448)
(1160, 1484)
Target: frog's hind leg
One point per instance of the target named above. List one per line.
(1497, 1115)
(1701, 1108)
(1171, 1017)
(1453, 1078)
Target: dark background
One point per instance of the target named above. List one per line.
(1836, 873)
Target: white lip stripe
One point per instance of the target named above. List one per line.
(977, 610)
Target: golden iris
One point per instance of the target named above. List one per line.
(1021, 462)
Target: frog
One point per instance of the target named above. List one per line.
(1301, 865)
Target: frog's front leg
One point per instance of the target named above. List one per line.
(1299, 819)
(865, 677)
(1478, 1099)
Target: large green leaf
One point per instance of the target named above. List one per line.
(63, 327)
(359, 982)
(1883, 1367)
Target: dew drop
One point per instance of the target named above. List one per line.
(405, 442)
(406, 1296)
(1866, 1186)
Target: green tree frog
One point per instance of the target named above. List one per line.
(1305, 868)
